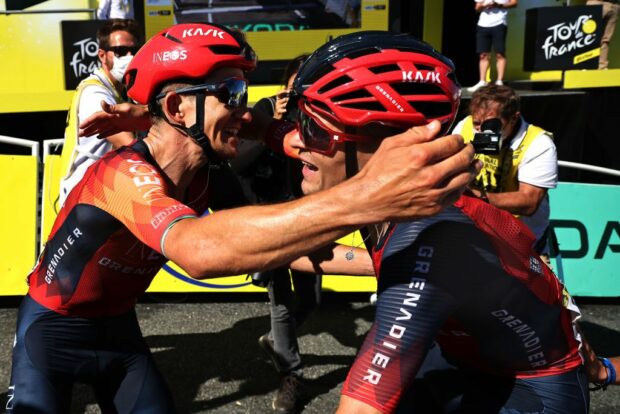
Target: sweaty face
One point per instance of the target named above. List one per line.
(320, 171)
(222, 122)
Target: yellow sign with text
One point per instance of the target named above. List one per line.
(590, 54)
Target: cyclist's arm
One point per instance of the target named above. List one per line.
(333, 260)
(114, 119)
(411, 175)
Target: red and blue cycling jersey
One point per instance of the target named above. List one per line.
(468, 279)
(106, 244)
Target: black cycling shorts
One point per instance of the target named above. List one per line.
(52, 352)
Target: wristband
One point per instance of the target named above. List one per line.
(611, 375)
(611, 371)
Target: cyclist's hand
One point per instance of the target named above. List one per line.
(413, 174)
(116, 118)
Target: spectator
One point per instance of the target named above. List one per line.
(610, 17)
(518, 178)
(269, 176)
(115, 9)
(491, 32)
(118, 40)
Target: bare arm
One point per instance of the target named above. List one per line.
(114, 119)
(524, 202)
(510, 4)
(332, 261)
(411, 175)
(349, 405)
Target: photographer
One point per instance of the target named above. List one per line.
(515, 178)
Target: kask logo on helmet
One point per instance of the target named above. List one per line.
(199, 32)
(170, 55)
(431, 77)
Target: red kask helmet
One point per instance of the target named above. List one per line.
(380, 77)
(185, 51)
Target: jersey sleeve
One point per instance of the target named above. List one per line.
(136, 194)
(539, 166)
(411, 308)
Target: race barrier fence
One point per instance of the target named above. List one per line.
(583, 216)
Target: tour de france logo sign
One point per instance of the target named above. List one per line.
(563, 38)
(80, 47)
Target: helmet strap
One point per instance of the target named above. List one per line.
(197, 132)
(350, 158)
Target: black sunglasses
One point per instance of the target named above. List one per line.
(232, 92)
(120, 51)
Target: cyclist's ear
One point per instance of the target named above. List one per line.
(174, 107)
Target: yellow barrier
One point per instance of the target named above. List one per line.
(18, 209)
(49, 195)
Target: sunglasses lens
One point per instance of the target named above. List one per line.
(313, 135)
(234, 93)
(120, 51)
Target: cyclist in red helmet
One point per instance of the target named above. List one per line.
(466, 279)
(141, 205)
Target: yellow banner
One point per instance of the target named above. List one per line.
(591, 54)
(18, 227)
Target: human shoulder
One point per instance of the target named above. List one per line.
(541, 141)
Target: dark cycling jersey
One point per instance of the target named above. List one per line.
(106, 244)
(77, 322)
(468, 279)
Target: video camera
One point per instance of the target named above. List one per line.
(489, 140)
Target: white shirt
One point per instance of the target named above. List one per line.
(494, 16)
(89, 149)
(115, 9)
(538, 167)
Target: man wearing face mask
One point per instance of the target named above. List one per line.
(518, 177)
(119, 40)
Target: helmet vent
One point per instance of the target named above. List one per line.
(432, 109)
(322, 106)
(384, 68)
(335, 83)
(411, 88)
(419, 66)
(225, 50)
(170, 37)
(370, 106)
(361, 93)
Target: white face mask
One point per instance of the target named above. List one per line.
(120, 66)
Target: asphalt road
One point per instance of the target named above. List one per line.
(206, 348)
